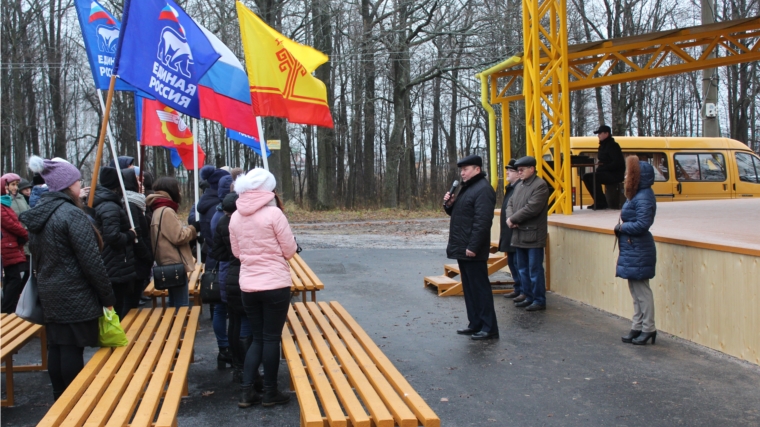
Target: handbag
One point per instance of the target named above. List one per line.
(210, 291)
(29, 307)
(170, 275)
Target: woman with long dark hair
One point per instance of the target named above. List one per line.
(172, 245)
(72, 280)
(261, 238)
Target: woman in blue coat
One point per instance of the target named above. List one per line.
(638, 254)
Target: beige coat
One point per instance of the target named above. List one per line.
(173, 236)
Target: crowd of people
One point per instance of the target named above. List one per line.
(87, 258)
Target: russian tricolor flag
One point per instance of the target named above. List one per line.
(224, 93)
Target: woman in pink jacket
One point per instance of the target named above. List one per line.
(261, 239)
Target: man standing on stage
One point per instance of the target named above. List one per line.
(471, 212)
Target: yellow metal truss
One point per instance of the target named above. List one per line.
(591, 65)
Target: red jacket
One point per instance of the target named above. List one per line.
(12, 251)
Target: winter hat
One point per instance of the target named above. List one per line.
(6, 179)
(58, 175)
(109, 178)
(213, 180)
(229, 204)
(224, 187)
(124, 162)
(256, 180)
(130, 180)
(206, 172)
(24, 184)
(37, 179)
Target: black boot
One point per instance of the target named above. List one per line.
(248, 397)
(224, 358)
(631, 335)
(272, 397)
(644, 337)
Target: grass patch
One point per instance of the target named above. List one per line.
(297, 215)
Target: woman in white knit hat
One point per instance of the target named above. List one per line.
(261, 238)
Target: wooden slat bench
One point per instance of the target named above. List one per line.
(334, 365)
(447, 285)
(193, 288)
(15, 333)
(139, 385)
(303, 278)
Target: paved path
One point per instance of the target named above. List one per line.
(562, 367)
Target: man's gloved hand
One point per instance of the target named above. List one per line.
(200, 239)
(197, 226)
(617, 230)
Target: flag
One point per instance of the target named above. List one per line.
(175, 158)
(224, 93)
(162, 126)
(163, 52)
(279, 73)
(248, 140)
(100, 31)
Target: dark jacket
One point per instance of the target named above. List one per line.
(471, 219)
(72, 280)
(143, 248)
(611, 158)
(528, 208)
(638, 254)
(206, 209)
(505, 236)
(118, 243)
(37, 192)
(222, 252)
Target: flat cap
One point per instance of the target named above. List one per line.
(511, 165)
(526, 162)
(603, 129)
(471, 160)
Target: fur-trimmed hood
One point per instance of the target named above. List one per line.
(638, 176)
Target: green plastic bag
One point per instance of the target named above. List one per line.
(111, 332)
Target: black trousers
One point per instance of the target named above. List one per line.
(13, 284)
(605, 178)
(267, 311)
(64, 364)
(478, 296)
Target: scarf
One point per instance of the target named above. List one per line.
(161, 202)
(136, 198)
(5, 200)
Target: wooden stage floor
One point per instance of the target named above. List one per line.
(726, 225)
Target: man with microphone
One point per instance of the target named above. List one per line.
(471, 212)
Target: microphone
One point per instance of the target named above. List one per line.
(454, 186)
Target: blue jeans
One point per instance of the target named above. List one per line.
(530, 262)
(220, 325)
(178, 296)
(514, 271)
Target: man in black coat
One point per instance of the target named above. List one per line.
(471, 212)
(505, 236)
(611, 169)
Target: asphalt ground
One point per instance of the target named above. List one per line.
(562, 367)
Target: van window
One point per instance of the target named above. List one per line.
(749, 167)
(700, 167)
(659, 162)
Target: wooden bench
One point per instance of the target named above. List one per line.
(303, 278)
(15, 333)
(139, 385)
(193, 288)
(340, 375)
(448, 286)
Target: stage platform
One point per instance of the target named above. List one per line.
(707, 284)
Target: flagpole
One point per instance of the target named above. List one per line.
(101, 140)
(262, 142)
(195, 186)
(115, 156)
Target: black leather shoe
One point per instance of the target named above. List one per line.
(467, 331)
(485, 336)
(524, 304)
(644, 337)
(512, 295)
(535, 307)
(521, 298)
(631, 335)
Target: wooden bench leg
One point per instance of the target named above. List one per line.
(313, 296)
(43, 349)
(303, 296)
(8, 381)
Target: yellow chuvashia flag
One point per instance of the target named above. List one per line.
(279, 72)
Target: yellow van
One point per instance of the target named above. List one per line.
(685, 168)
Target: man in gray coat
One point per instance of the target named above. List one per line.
(527, 215)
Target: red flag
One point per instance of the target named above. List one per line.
(163, 127)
